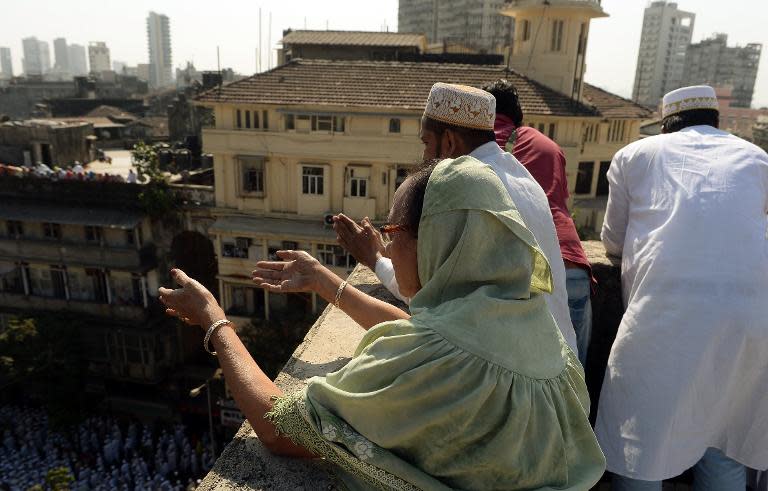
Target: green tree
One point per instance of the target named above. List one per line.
(19, 359)
(42, 354)
(156, 197)
(59, 479)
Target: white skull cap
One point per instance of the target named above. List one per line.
(461, 105)
(688, 98)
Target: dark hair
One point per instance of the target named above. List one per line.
(507, 100)
(693, 117)
(471, 137)
(413, 199)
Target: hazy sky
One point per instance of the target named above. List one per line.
(197, 27)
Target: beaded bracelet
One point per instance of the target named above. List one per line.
(338, 293)
(211, 329)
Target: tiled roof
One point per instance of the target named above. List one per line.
(614, 106)
(385, 85)
(353, 38)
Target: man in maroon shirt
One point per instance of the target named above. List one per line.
(545, 161)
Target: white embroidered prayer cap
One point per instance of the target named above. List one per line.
(688, 98)
(461, 105)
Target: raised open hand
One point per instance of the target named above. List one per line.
(362, 240)
(297, 272)
(192, 303)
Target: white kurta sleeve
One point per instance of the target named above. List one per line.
(617, 211)
(386, 274)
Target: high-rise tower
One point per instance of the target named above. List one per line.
(98, 57)
(159, 41)
(6, 65)
(665, 38)
(475, 25)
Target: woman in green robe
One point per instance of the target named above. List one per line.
(476, 389)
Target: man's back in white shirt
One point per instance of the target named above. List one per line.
(531, 202)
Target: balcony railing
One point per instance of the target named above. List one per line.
(193, 195)
(28, 303)
(78, 253)
(526, 3)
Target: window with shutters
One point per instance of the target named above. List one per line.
(358, 178)
(312, 180)
(52, 231)
(557, 35)
(584, 178)
(14, 228)
(252, 182)
(93, 234)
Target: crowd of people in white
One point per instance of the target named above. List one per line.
(101, 453)
(76, 171)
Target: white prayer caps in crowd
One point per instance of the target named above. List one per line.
(461, 105)
(689, 98)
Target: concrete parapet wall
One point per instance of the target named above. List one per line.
(329, 344)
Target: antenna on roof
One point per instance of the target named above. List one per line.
(218, 66)
(259, 43)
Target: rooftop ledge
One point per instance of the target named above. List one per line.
(329, 344)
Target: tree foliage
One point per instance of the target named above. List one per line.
(59, 479)
(156, 197)
(42, 356)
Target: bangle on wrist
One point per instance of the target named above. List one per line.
(210, 332)
(338, 293)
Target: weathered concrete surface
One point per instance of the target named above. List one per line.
(607, 309)
(245, 463)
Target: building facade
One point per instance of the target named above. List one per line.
(317, 137)
(78, 63)
(736, 119)
(473, 24)
(714, 63)
(550, 42)
(37, 59)
(45, 141)
(61, 52)
(760, 132)
(665, 37)
(45, 57)
(159, 42)
(6, 63)
(98, 57)
(349, 45)
(96, 263)
(87, 253)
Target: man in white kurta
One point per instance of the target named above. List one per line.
(529, 197)
(688, 372)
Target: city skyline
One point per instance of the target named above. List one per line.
(233, 28)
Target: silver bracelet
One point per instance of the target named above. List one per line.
(211, 329)
(338, 293)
